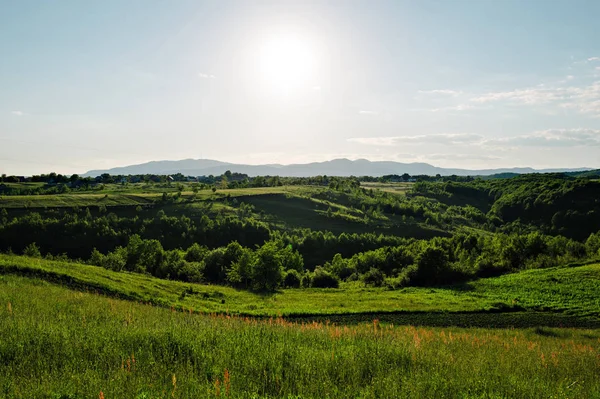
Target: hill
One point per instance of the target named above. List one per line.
(60, 343)
(557, 296)
(336, 167)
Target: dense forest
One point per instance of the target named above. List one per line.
(438, 231)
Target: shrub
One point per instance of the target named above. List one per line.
(324, 279)
(373, 277)
(306, 281)
(32, 250)
(195, 253)
(291, 279)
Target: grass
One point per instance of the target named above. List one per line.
(287, 211)
(59, 343)
(557, 296)
(132, 196)
(394, 188)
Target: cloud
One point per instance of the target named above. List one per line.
(18, 113)
(316, 88)
(534, 95)
(367, 112)
(544, 138)
(447, 92)
(550, 138)
(205, 75)
(584, 99)
(462, 157)
(459, 107)
(592, 59)
(444, 138)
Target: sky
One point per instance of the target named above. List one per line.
(469, 84)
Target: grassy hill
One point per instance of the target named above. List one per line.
(556, 296)
(61, 343)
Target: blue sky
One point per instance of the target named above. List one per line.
(472, 84)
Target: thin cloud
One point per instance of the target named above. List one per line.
(205, 75)
(18, 113)
(584, 99)
(592, 59)
(550, 138)
(444, 138)
(367, 112)
(447, 92)
(459, 107)
(462, 157)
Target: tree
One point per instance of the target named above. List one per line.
(267, 272)
(240, 271)
(592, 244)
(432, 266)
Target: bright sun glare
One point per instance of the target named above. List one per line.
(287, 63)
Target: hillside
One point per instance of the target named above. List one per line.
(556, 296)
(59, 343)
(336, 167)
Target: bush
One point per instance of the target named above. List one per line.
(195, 253)
(373, 277)
(291, 279)
(32, 250)
(306, 281)
(324, 279)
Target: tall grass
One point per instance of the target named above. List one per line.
(58, 343)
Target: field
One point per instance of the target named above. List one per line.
(150, 291)
(558, 296)
(59, 343)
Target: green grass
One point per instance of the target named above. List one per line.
(557, 296)
(133, 196)
(59, 343)
(285, 211)
(394, 188)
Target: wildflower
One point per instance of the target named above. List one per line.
(226, 382)
(9, 307)
(218, 388)
(101, 395)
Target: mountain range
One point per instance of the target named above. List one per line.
(335, 167)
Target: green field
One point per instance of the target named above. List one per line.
(444, 290)
(59, 343)
(556, 296)
(131, 196)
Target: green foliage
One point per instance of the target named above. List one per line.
(374, 277)
(266, 272)
(292, 279)
(323, 279)
(32, 251)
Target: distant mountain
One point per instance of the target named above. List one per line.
(336, 167)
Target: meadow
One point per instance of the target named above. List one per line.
(301, 288)
(60, 343)
(558, 296)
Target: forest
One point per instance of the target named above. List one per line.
(326, 232)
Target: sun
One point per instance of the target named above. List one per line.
(287, 63)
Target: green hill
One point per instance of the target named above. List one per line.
(554, 296)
